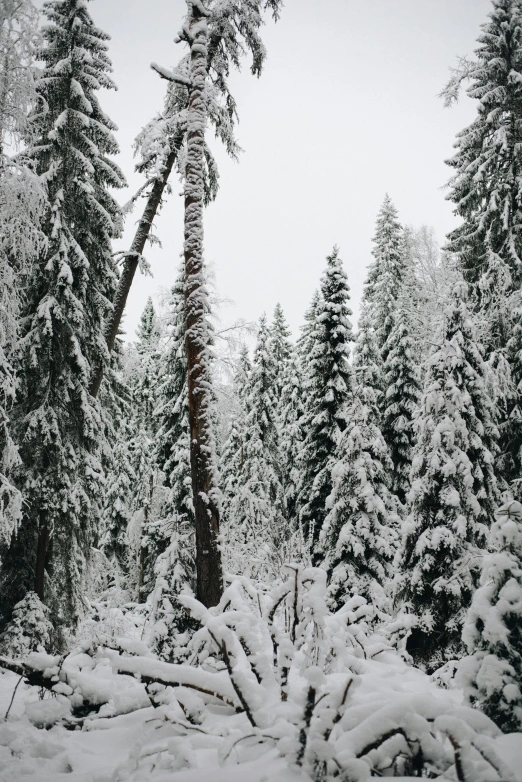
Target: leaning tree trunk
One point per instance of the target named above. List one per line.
(132, 259)
(208, 555)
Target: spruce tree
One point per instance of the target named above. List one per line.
(146, 495)
(486, 191)
(359, 536)
(22, 205)
(492, 675)
(171, 541)
(256, 518)
(145, 384)
(327, 386)
(68, 293)
(386, 273)
(120, 478)
(486, 188)
(292, 407)
(280, 348)
(233, 452)
(454, 489)
(401, 400)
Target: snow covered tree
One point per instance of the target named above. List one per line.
(292, 408)
(359, 536)
(492, 675)
(172, 438)
(171, 544)
(233, 452)
(146, 379)
(256, 510)
(280, 348)
(22, 203)
(58, 424)
(236, 30)
(327, 386)
(29, 630)
(386, 272)
(306, 339)
(453, 488)
(120, 478)
(485, 187)
(401, 400)
(19, 44)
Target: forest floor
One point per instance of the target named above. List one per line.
(143, 745)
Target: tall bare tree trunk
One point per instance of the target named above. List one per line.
(208, 556)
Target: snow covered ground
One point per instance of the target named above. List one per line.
(156, 744)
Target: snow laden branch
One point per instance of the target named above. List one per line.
(288, 677)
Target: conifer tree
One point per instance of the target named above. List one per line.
(485, 187)
(22, 204)
(280, 348)
(400, 402)
(171, 541)
(145, 385)
(386, 272)
(292, 408)
(172, 452)
(492, 675)
(233, 452)
(327, 385)
(306, 338)
(120, 478)
(359, 536)
(256, 509)
(454, 489)
(68, 293)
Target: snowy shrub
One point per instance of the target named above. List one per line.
(492, 674)
(29, 629)
(289, 677)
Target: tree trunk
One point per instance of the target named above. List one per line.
(208, 556)
(132, 260)
(44, 538)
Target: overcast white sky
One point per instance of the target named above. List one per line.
(345, 111)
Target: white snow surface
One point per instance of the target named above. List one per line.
(197, 730)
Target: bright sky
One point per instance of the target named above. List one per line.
(345, 111)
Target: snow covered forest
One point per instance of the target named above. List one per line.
(226, 553)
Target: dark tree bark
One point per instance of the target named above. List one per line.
(208, 556)
(44, 539)
(132, 259)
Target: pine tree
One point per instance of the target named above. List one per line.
(454, 489)
(327, 385)
(386, 272)
(491, 676)
(401, 381)
(68, 294)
